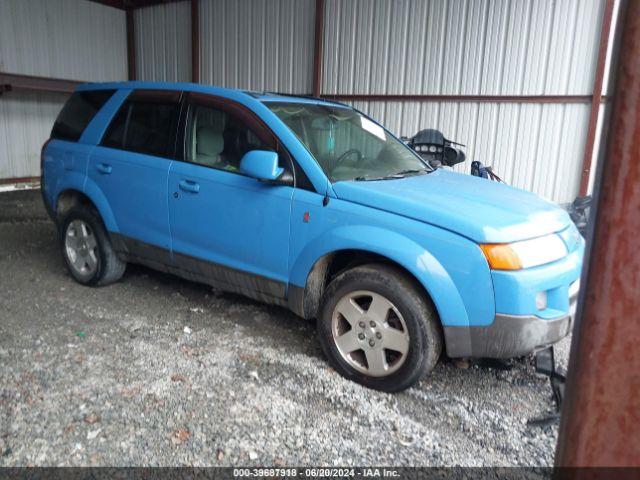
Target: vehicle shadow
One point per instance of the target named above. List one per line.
(277, 323)
(286, 330)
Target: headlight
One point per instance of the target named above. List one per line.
(524, 254)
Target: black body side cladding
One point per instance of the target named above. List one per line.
(218, 276)
(305, 302)
(295, 300)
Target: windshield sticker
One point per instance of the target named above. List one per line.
(372, 128)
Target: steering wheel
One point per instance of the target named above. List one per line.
(348, 153)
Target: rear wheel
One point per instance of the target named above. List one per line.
(377, 328)
(87, 249)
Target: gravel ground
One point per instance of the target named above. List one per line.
(155, 370)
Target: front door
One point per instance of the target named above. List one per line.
(226, 228)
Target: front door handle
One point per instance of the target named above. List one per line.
(104, 168)
(189, 186)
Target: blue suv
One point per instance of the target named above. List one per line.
(311, 205)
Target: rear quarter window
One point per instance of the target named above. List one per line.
(78, 112)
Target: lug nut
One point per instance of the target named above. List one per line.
(373, 324)
(362, 325)
(361, 336)
(378, 335)
(372, 343)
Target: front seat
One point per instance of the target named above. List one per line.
(209, 146)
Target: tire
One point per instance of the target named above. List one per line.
(82, 232)
(410, 324)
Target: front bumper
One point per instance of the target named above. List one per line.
(510, 335)
(507, 337)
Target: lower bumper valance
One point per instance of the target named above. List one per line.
(507, 337)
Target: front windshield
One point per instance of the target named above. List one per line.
(346, 144)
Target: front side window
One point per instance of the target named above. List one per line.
(78, 112)
(218, 139)
(346, 144)
(144, 126)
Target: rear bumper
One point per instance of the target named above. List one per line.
(509, 335)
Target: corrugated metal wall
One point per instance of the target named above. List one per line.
(248, 44)
(163, 42)
(475, 47)
(257, 45)
(25, 123)
(463, 47)
(73, 39)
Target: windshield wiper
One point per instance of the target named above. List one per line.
(364, 178)
(392, 176)
(411, 171)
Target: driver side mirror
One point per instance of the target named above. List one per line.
(263, 166)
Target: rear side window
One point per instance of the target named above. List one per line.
(78, 112)
(145, 125)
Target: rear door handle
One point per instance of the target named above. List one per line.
(189, 186)
(104, 168)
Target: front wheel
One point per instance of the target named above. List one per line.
(377, 328)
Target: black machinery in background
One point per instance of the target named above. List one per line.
(579, 211)
(439, 151)
(431, 145)
(545, 364)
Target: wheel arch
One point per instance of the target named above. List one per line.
(68, 199)
(310, 278)
(91, 196)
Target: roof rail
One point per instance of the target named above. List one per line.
(301, 95)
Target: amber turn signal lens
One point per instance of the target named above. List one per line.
(501, 257)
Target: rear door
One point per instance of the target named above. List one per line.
(228, 228)
(131, 167)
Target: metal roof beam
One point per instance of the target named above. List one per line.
(29, 83)
(132, 4)
(460, 98)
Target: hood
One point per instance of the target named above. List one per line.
(479, 209)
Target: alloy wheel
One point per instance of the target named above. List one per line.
(81, 247)
(370, 333)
